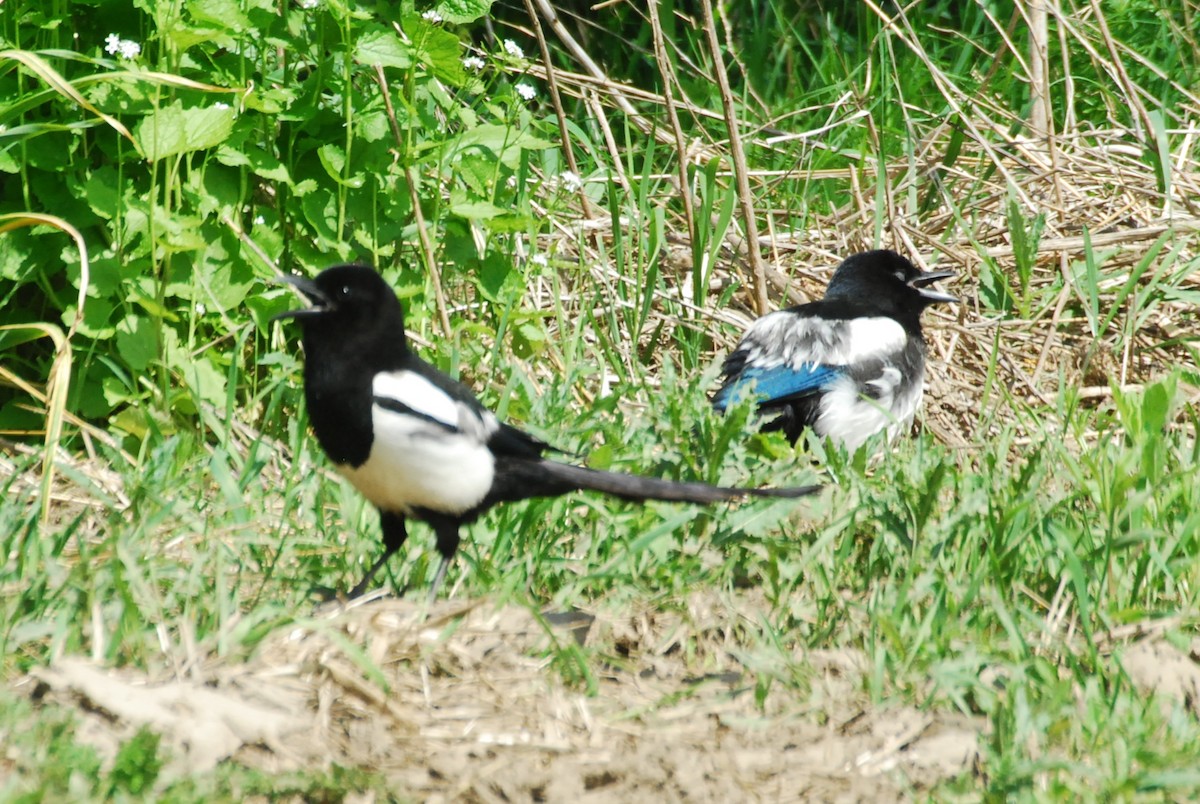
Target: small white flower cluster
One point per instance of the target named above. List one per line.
(526, 91)
(431, 16)
(513, 49)
(571, 181)
(308, 5)
(125, 48)
(473, 63)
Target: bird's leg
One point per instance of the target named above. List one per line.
(394, 536)
(437, 579)
(446, 530)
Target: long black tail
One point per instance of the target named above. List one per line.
(522, 478)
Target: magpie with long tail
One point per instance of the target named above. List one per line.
(847, 366)
(418, 444)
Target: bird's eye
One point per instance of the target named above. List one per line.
(899, 275)
(344, 291)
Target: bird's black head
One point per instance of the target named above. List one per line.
(353, 310)
(886, 280)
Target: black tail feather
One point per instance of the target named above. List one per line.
(523, 479)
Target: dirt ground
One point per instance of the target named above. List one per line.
(466, 702)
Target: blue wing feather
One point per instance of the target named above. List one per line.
(778, 382)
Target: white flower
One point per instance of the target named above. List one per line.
(526, 91)
(431, 16)
(473, 63)
(571, 181)
(125, 48)
(308, 5)
(259, 220)
(219, 105)
(539, 259)
(200, 309)
(513, 49)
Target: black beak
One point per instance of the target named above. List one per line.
(308, 288)
(918, 283)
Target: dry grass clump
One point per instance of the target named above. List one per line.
(1019, 200)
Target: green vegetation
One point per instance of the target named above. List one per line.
(163, 500)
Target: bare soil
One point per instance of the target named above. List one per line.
(467, 702)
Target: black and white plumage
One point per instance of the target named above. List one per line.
(849, 365)
(417, 443)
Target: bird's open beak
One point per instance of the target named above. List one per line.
(308, 288)
(918, 283)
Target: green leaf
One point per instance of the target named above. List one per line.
(206, 381)
(260, 161)
(437, 49)
(510, 223)
(994, 289)
(320, 210)
(459, 12)
(132, 420)
(101, 191)
(495, 276)
(222, 282)
(197, 372)
(529, 339)
(184, 38)
(600, 457)
(97, 318)
(16, 259)
(382, 47)
(271, 100)
(172, 130)
(477, 172)
(153, 307)
(333, 159)
(1156, 406)
(137, 341)
(501, 142)
(93, 386)
(227, 14)
(475, 210)
(372, 126)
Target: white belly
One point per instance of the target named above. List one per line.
(850, 417)
(422, 467)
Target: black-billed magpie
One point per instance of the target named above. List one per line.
(847, 366)
(417, 443)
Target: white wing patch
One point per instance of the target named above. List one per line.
(782, 338)
(435, 457)
(414, 391)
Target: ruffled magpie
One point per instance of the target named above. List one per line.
(847, 366)
(417, 443)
